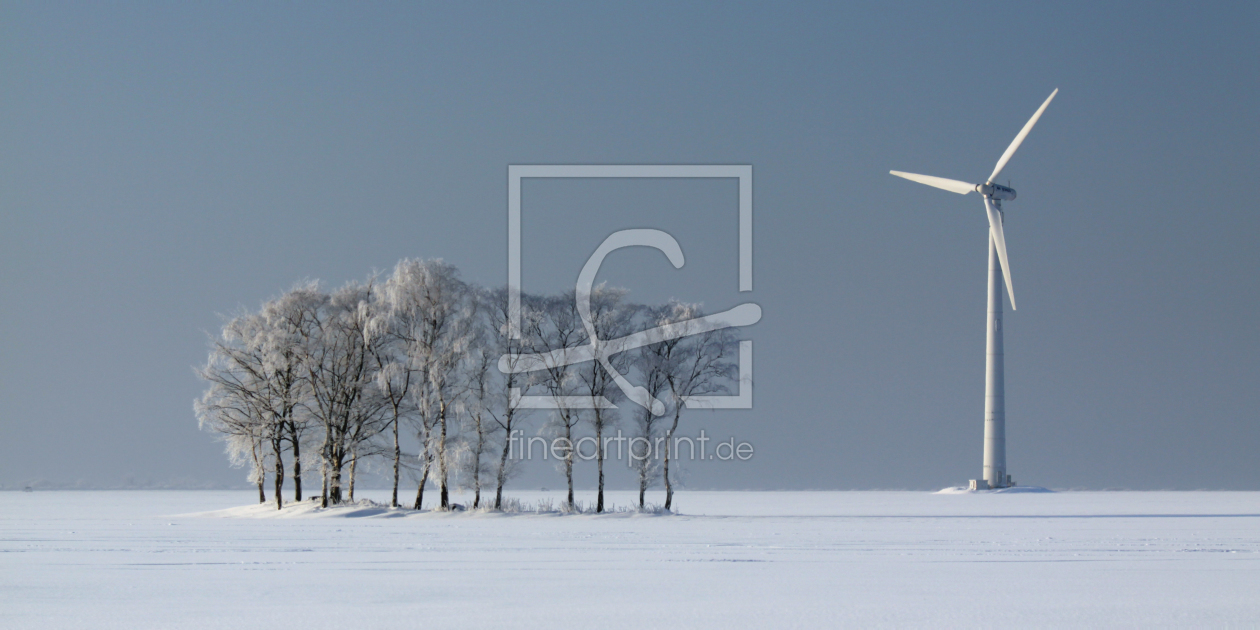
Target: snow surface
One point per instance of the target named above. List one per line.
(1010, 490)
(106, 559)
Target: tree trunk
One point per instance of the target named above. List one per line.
(334, 482)
(599, 461)
(568, 462)
(481, 445)
(276, 450)
(642, 486)
(255, 448)
(393, 500)
(323, 469)
(501, 477)
(424, 478)
(669, 488)
(446, 497)
(669, 450)
(354, 463)
(297, 462)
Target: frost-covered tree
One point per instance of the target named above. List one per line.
(255, 392)
(435, 315)
(330, 380)
(396, 374)
(228, 410)
(345, 400)
(285, 322)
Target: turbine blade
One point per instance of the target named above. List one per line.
(952, 185)
(999, 241)
(1006, 157)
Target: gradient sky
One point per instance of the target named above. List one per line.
(161, 164)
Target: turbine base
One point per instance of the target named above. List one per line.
(983, 484)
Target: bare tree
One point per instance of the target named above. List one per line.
(608, 318)
(394, 379)
(652, 362)
(560, 328)
(473, 408)
(693, 365)
(508, 414)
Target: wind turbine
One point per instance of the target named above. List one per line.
(995, 475)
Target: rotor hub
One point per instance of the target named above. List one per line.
(997, 192)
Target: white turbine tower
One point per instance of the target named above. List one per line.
(995, 475)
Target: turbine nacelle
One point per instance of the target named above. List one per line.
(996, 192)
(993, 193)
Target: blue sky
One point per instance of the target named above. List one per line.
(164, 163)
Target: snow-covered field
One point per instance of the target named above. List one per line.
(137, 559)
